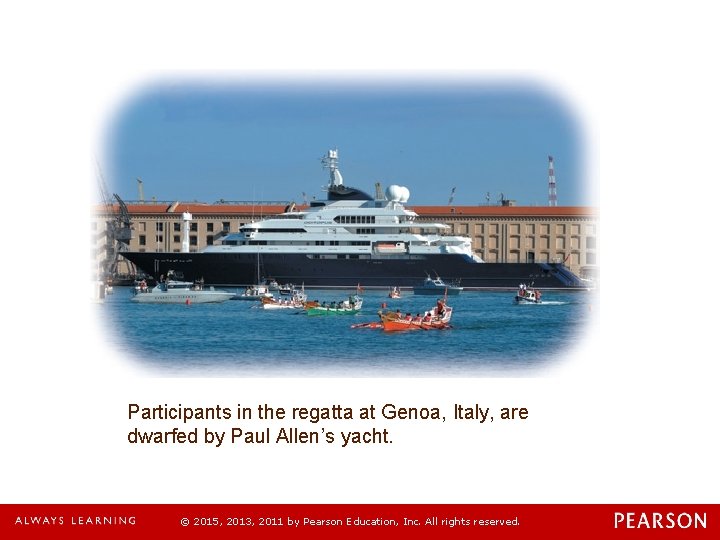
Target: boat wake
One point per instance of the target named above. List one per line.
(545, 303)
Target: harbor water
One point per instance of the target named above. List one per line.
(490, 336)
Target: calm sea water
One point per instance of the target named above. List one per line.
(490, 335)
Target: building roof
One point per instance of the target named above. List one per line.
(261, 209)
(506, 211)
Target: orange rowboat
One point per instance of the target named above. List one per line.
(432, 322)
(438, 318)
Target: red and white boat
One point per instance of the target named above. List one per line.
(296, 301)
(438, 318)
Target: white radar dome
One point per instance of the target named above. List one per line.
(397, 193)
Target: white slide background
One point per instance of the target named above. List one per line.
(630, 415)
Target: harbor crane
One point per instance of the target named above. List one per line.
(117, 229)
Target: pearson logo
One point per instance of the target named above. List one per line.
(659, 520)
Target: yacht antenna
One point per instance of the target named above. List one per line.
(330, 161)
(379, 196)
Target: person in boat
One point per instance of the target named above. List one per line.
(408, 316)
(440, 308)
(417, 318)
(393, 315)
(427, 318)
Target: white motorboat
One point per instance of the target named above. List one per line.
(436, 286)
(527, 295)
(394, 293)
(254, 292)
(172, 291)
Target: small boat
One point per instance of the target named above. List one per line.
(438, 318)
(280, 303)
(345, 307)
(254, 292)
(297, 301)
(259, 291)
(171, 291)
(287, 290)
(394, 292)
(274, 287)
(437, 286)
(391, 247)
(527, 295)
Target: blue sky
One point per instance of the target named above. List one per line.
(264, 141)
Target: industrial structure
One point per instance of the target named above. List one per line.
(113, 237)
(552, 188)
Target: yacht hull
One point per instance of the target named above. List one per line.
(182, 297)
(241, 270)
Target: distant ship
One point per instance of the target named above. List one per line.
(349, 239)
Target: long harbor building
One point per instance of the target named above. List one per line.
(502, 233)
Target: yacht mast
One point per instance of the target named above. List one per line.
(330, 161)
